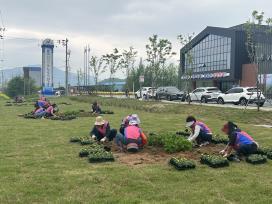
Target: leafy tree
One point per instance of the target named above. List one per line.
(186, 41)
(97, 67)
(18, 86)
(158, 51)
(128, 60)
(251, 28)
(113, 63)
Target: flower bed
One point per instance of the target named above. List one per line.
(170, 142)
(182, 163)
(256, 159)
(66, 117)
(214, 160)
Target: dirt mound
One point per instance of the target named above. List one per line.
(154, 155)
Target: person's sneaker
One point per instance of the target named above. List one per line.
(204, 144)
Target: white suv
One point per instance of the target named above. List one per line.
(242, 96)
(146, 92)
(204, 94)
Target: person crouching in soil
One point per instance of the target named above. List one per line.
(200, 132)
(133, 138)
(96, 110)
(239, 140)
(101, 130)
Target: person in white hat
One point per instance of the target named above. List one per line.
(133, 137)
(101, 130)
(200, 132)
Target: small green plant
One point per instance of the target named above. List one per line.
(84, 152)
(269, 155)
(185, 133)
(214, 161)
(101, 157)
(219, 139)
(170, 142)
(74, 139)
(107, 112)
(182, 163)
(256, 159)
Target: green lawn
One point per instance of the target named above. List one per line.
(39, 165)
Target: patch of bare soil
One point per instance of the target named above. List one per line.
(155, 155)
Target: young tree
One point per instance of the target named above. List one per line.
(128, 60)
(186, 41)
(251, 28)
(158, 51)
(80, 77)
(113, 63)
(97, 68)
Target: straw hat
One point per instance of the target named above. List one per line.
(99, 120)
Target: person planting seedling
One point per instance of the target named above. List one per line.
(96, 110)
(101, 130)
(131, 136)
(239, 140)
(200, 132)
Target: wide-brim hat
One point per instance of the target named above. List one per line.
(133, 122)
(99, 121)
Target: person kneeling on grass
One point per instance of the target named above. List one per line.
(125, 122)
(39, 113)
(50, 110)
(101, 130)
(239, 140)
(96, 108)
(201, 133)
(133, 137)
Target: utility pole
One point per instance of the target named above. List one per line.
(88, 66)
(66, 67)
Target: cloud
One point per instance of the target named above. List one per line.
(106, 24)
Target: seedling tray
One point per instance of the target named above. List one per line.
(182, 163)
(214, 161)
(256, 159)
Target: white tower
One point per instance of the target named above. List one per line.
(47, 63)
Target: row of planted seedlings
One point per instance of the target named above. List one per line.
(94, 151)
(176, 142)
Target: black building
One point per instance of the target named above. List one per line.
(219, 57)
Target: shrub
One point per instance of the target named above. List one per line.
(184, 133)
(170, 142)
(214, 160)
(256, 159)
(182, 163)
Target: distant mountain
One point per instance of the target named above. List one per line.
(59, 75)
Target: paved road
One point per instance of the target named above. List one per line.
(267, 106)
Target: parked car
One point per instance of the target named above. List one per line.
(170, 93)
(204, 94)
(241, 95)
(149, 92)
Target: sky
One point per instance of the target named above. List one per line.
(106, 24)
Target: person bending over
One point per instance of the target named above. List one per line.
(101, 130)
(200, 132)
(239, 140)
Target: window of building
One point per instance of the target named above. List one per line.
(211, 49)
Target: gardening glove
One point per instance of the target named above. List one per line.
(222, 152)
(103, 139)
(93, 136)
